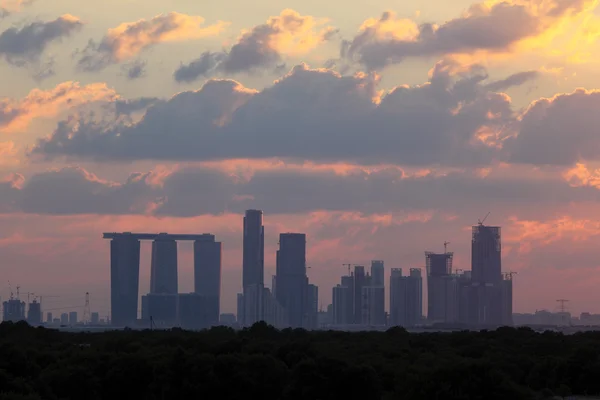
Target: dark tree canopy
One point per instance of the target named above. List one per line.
(263, 363)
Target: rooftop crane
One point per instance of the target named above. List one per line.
(484, 218)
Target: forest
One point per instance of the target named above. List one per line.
(261, 362)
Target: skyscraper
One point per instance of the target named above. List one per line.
(406, 297)
(253, 266)
(124, 279)
(342, 305)
(377, 273)
(373, 300)
(163, 268)
(292, 282)
(207, 275)
(376, 296)
(486, 274)
(360, 281)
(442, 294)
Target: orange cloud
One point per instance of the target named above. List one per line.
(17, 115)
(491, 29)
(581, 175)
(129, 39)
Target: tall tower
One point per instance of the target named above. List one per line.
(486, 274)
(207, 274)
(441, 293)
(124, 279)
(163, 269)
(292, 282)
(253, 266)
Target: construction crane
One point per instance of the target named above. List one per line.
(349, 268)
(509, 275)
(446, 246)
(484, 218)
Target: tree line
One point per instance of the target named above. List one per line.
(264, 363)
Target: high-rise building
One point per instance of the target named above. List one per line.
(377, 273)
(14, 310)
(253, 266)
(64, 319)
(207, 275)
(163, 268)
(406, 298)
(241, 305)
(161, 308)
(486, 274)
(49, 318)
(360, 281)
(95, 319)
(440, 287)
(34, 313)
(274, 314)
(507, 300)
(378, 280)
(192, 311)
(373, 298)
(342, 305)
(73, 318)
(124, 279)
(292, 282)
(312, 309)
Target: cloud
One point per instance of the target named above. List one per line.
(262, 47)
(21, 46)
(308, 115)
(560, 130)
(18, 114)
(131, 38)
(8, 7)
(203, 190)
(135, 70)
(493, 27)
(517, 79)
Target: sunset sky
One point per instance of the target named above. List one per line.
(379, 128)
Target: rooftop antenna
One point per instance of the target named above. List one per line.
(484, 218)
(349, 267)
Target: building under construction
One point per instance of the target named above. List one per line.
(34, 313)
(442, 295)
(14, 310)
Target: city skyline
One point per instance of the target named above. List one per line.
(379, 130)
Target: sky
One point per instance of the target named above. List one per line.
(381, 129)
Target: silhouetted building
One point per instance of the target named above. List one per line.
(273, 313)
(193, 311)
(64, 319)
(360, 281)
(95, 318)
(373, 300)
(486, 274)
(291, 279)
(124, 279)
(253, 266)
(406, 298)
(207, 275)
(163, 268)
(442, 295)
(378, 280)
(342, 305)
(73, 318)
(241, 305)
(227, 319)
(49, 318)
(312, 309)
(34, 313)
(14, 310)
(161, 308)
(507, 300)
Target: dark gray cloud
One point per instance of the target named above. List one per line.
(259, 48)
(194, 191)
(517, 79)
(130, 106)
(560, 130)
(390, 40)
(309, 114)
(135, 70)
(20, 46)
